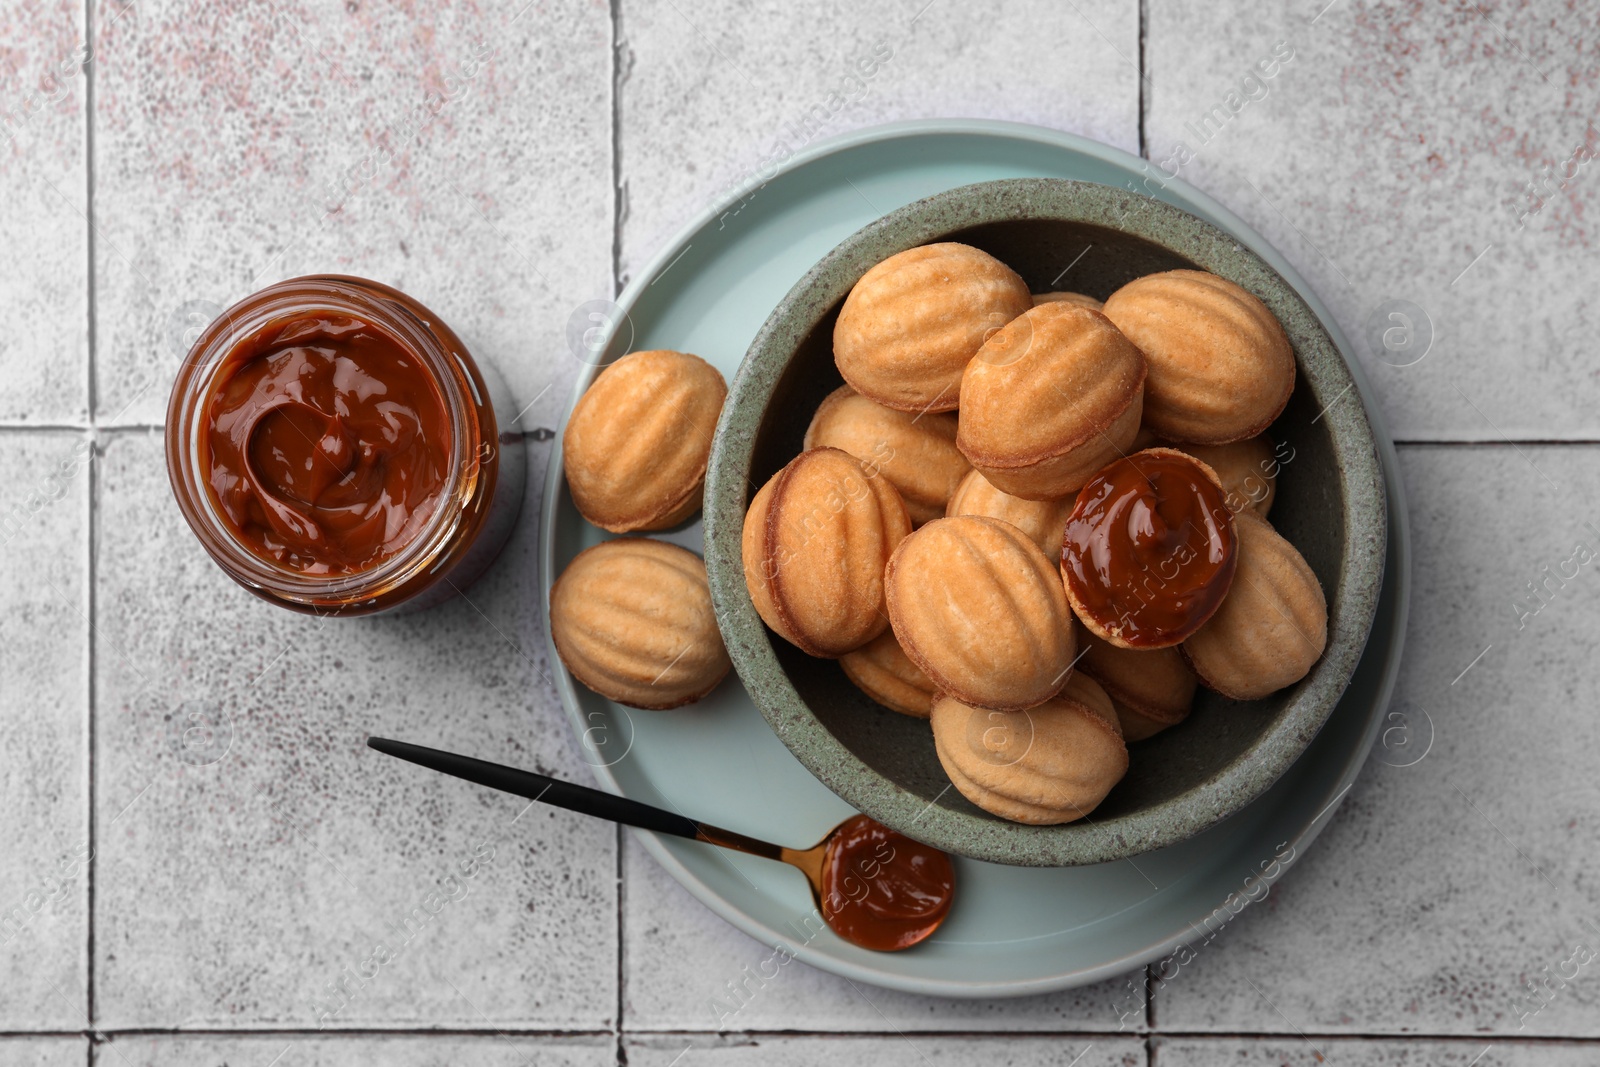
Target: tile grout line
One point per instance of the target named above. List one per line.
(1399, 1038)
(622, 1054)
(894, 1036)
(1144, 22)
(91, 740)
(444, 1033)
(91, 734)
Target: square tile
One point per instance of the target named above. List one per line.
(300, 1050)
(268, 868)
(462, 154)
(1390, 156)
(714, 93)
(44, 352)
(1455, 892)
(1282, 1052)
(889, 1050)
(44, 1051)
(44, 696)
(681, 960)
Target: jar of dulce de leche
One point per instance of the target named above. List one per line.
(335, 448)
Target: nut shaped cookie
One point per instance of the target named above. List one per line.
(815, 542)
(981, 610)
(1221, 368)
(636, 447)
(1248, 470)
(1071, 298)
(1041, 520)
(882, 670)
(1050, 399)
(1149, 690)
(1049, 764)
(1273, 625)
(917, 454)
(632, 620)
(912, 322)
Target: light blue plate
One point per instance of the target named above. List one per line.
(1014, 930)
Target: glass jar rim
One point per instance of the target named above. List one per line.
(186, 424)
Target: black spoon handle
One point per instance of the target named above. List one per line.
(578, 798)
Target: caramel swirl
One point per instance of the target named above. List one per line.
(327, 448)
(1150, 549)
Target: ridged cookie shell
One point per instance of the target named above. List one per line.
(1150, 690)
(1047, 765)
(882, 670)
(1221, 367)
(632, 620)
(1050, 399)
(636, 446)
(1045, 521)
(980, 609)
(1273, 625)
(917, 453)
(1080, 299)
(911, 323)
(1247, 469)
(814, 545)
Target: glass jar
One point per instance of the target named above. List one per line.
(335, 448)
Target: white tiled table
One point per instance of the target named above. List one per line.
(174, 905)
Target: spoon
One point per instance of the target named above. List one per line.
(875, 887)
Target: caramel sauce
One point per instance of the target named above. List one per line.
(326, 443)
(880, 889)
(1150, 548)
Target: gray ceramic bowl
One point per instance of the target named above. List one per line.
(1330, 504)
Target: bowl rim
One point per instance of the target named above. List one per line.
(1352, 603)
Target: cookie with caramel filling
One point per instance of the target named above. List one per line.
(917, 453)
(1221, 367)
(1273, 625)
(980, 610)
(632, 620)
(882, 670)
(912, 323)
(1049, 764)
(1042, 520)
(815, 542)
(1048, 400)
(1149, 550)
(636, 446)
